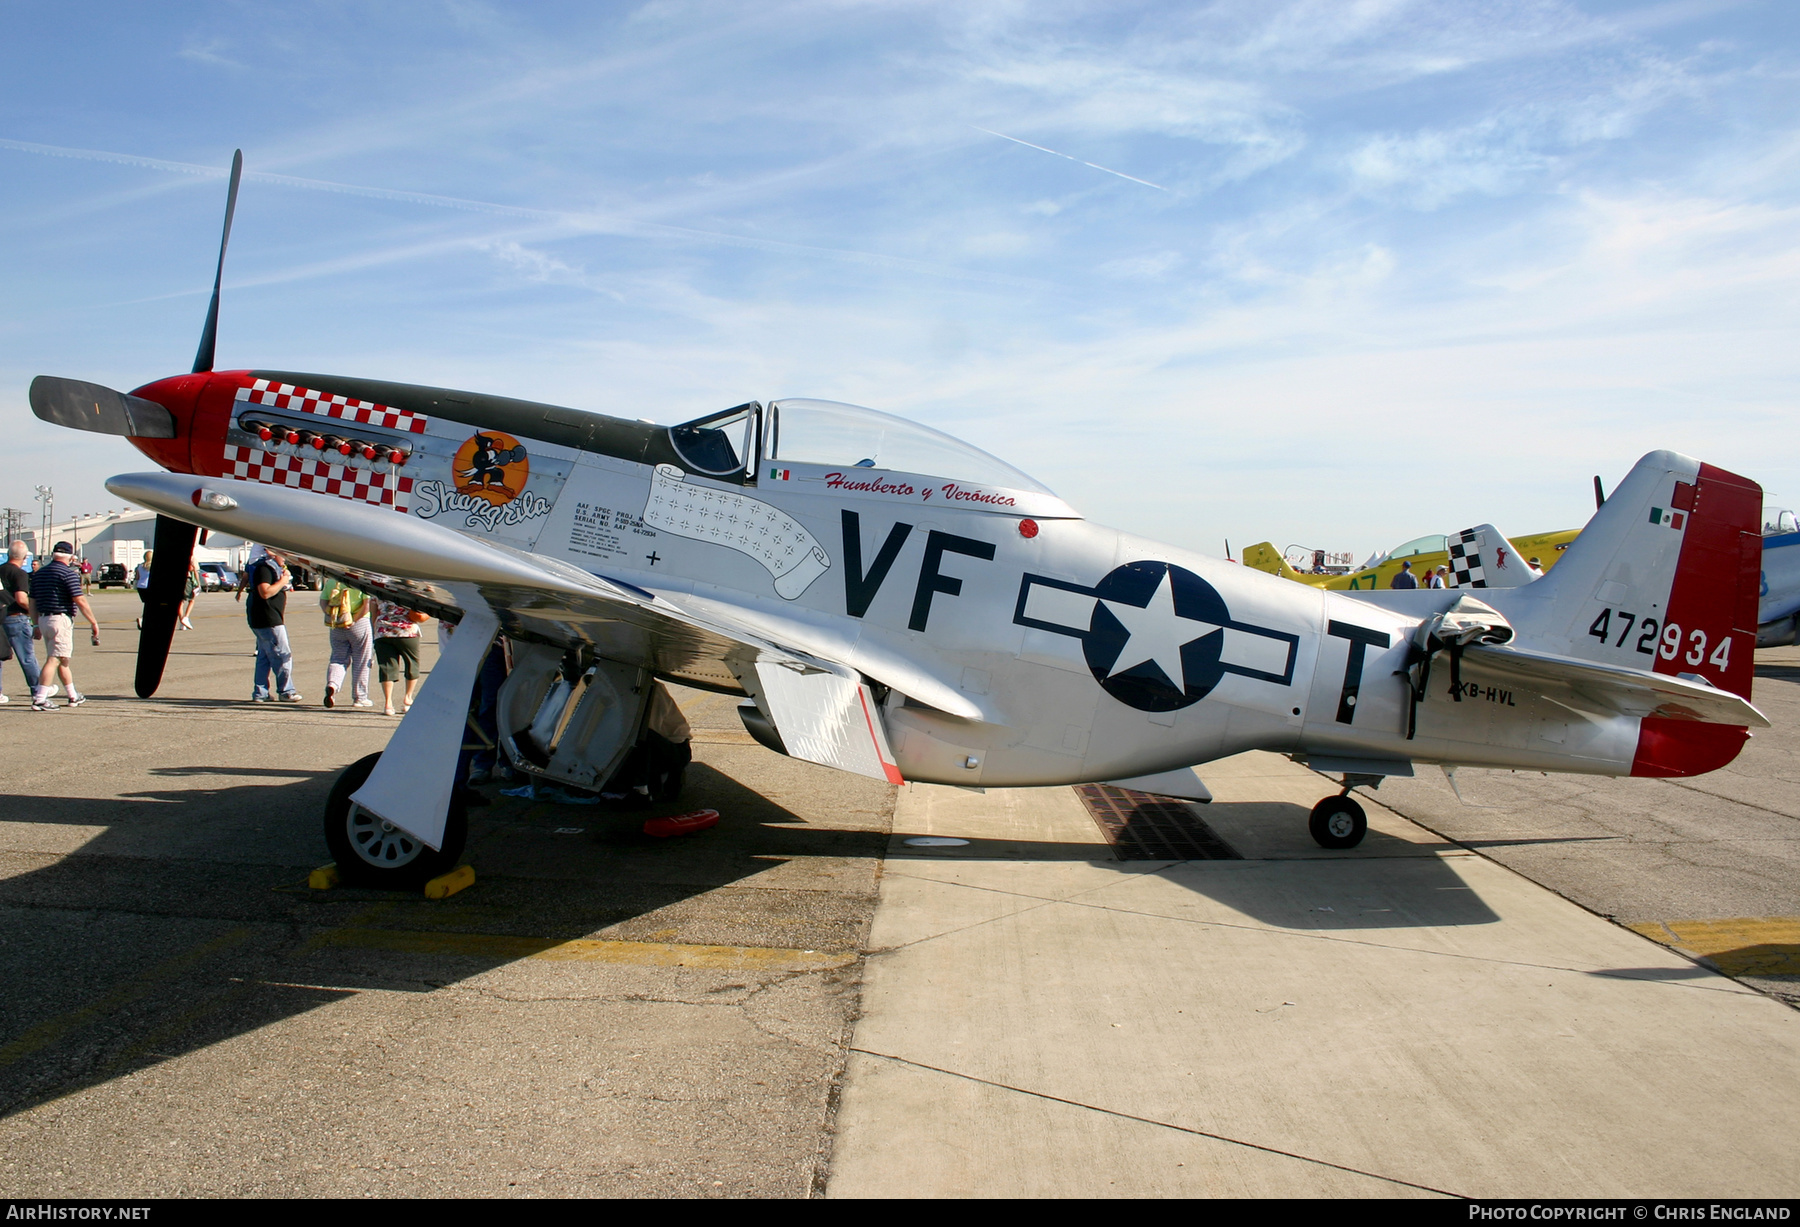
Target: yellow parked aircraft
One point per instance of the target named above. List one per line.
(1424, 553)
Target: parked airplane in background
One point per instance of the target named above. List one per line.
(1778, 611)
(1424, 553)
(891, 601)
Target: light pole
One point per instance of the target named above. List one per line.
(47, 497)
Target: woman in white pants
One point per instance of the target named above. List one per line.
(352, 641)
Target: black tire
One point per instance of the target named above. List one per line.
(369, 852)
(1338, 822)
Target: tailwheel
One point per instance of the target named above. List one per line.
(372, 852)
(1338, 822)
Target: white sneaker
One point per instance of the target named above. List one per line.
(292, 696)
(54, 689)
(186, 625)
(364, 703)
(76, 700)
(4, 699)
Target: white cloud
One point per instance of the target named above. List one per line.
(1153, 267)
(1423, 262)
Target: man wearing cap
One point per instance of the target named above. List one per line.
(55, 596)
(266, 609)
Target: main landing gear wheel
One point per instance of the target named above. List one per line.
(371, 852)
(1338, 822)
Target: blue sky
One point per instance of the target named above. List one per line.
(1330, 273)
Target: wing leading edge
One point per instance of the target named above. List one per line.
(823, 700)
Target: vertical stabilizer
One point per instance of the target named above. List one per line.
(1664, 578)
(1265, 557)
(1481, 558)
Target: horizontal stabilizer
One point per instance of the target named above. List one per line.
(1630, 692)
(94, 407)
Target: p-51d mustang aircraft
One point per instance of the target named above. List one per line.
(893, 602)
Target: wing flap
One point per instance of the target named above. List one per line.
(1629, 692)
(828, 718)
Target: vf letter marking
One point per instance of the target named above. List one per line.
(930, 581)
(860, 588)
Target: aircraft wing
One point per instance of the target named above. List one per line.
(413, 561)
(1629, 692)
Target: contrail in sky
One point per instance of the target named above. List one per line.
(1109, 170)
(583, 221)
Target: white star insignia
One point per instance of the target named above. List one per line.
(1157, 633)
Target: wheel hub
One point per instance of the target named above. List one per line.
(380, 842)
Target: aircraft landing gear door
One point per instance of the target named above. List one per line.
(724, 446)
(570, 720)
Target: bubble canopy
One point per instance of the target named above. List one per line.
(827, 432)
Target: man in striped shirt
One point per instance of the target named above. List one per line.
(55, 596)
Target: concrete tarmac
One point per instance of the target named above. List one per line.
(603, 1014)
(1519, 997)
(1709, 866)
(1412, 1019)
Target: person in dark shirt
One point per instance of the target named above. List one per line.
(55, 596)
(266, 610)
(15, 591)
(1404, 579)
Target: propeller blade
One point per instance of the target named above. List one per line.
(92, 406)
(162, 608)
(209, 336)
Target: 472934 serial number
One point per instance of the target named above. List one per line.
(1669, 644)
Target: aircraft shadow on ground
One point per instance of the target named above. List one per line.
(184, 920)
(1321, 890)
(1764, 959)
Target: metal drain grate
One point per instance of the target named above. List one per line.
(1142, 826)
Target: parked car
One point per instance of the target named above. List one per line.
(112, 575)
(216, 576)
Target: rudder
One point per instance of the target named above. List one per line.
(1663, 578)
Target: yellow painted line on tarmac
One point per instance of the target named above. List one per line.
(50, 1030)
(585, 950)
(1740, 946)
(723, 737)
